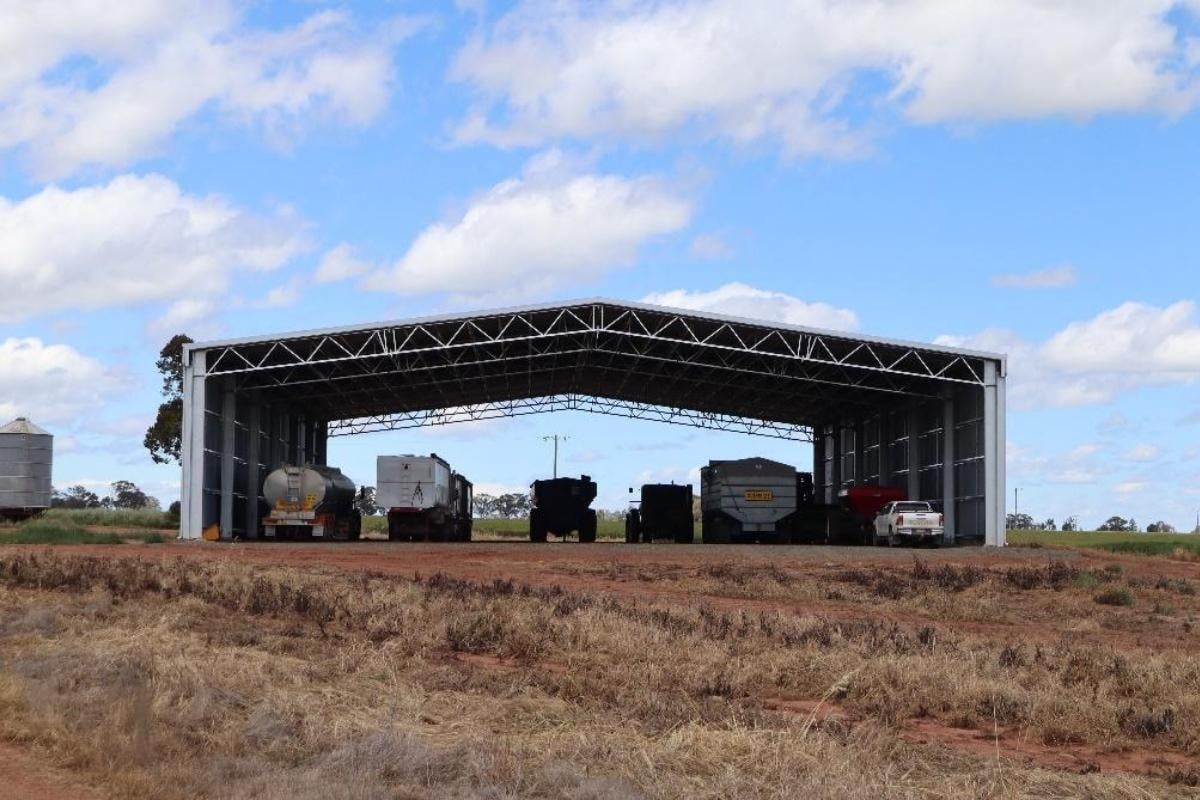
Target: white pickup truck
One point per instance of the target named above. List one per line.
(909, 522)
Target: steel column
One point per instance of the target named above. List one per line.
(993, 499)
(253, 479)
(914, 453)
(835, 478)
(818, 467)
(228, 443)
(949, 490)
(885, 449)
(191, 484)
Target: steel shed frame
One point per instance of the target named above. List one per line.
(875, 410)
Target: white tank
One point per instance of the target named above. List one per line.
(308, 488)
(26, 458)
(412, 482)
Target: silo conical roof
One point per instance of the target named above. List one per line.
(23, 425)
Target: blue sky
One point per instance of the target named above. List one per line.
(1023, 173)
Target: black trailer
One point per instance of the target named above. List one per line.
(560, 506)
(665, 512)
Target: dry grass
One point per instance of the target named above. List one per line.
(183, 679)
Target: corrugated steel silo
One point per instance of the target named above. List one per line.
(26, 456)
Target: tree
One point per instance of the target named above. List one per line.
(1049, 525)
(1120, 524)
(1019, 522)
(485, 506)
(1071, 524)
(366, 503)
(75, 497)
(513, 505)
(126, 494)
(1160, 527)
(164, 438)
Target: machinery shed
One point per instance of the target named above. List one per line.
(926, 418)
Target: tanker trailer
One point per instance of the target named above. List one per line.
(560, 505)
(665, 512)
(423, 498)
(310, 502)
(747, 500)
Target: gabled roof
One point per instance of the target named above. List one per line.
(630, 353)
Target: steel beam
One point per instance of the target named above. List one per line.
(228, 443)
(993, 499)
(914, 453)
(191, 484)
(949, 492)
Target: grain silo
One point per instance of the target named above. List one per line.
(26, 453)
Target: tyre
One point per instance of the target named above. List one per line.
(685, 535)
(587, 531)
(631, 527)
(537, 528)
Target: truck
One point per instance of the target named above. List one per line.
(748, 500)
(560, 506)
(664, 512)
(910, 522)
(310, 502)
(424, 499)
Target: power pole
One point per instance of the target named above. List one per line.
(555, 438)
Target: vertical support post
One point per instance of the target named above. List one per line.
(835, 478)
(300, 432)
(860, 454)
(885, 448)
(191, 484)
(1001, 453)
(949, 488)
(914, 453)
(993, 498)
(253, 479)
(818, 468)
(228, 443)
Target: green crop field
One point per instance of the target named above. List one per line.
(57, 531)
(1117, 542)
(110, 518)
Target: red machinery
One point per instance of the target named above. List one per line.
(863, 504)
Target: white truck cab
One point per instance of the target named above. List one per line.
(910, 522)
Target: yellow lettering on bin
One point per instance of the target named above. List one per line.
(759, 495)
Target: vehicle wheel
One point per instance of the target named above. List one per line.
(891, 539)
(587, 532)
(685, 536)
(537, 529)
(631, 527)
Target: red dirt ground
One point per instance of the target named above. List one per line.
(23, 776)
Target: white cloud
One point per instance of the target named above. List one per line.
(134, 240)
(1094, 361)
(1143, 453)
(107, 83)
(1131, 487)
(1114, 423)
(740, 300)
(710, 246)
(51, 382)
(339, 264)
(792, 70)
(1051, 278)
(529, 235)
(193, 314)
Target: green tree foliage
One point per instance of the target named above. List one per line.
(513, 505)
(164, 438)
(1020, 522)
(75, 497)
(1160, 527)
(126, 494)
(366, 503)
(1120, 524)
(1070, 524)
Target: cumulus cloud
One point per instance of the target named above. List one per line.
(1094, 361)
(339, 264)
(792, 71)
(527, 236)
(133, 240)
(1051, 278)
(740, 300)
(51, 382)
(107, 83)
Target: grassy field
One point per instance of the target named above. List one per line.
(180, 679)
(1173, 544)
(110, 518)
(44, 530)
